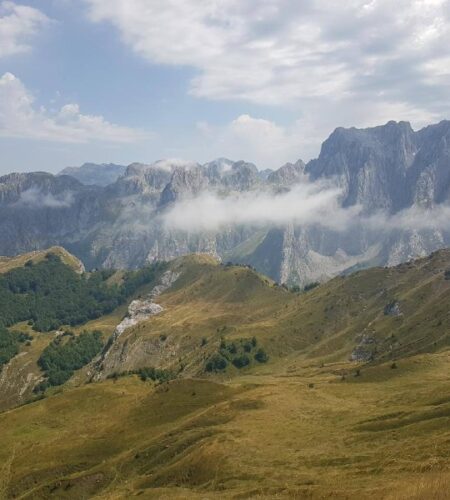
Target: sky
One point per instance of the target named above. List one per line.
(264, 81)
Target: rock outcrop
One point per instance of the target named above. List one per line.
(114, 354)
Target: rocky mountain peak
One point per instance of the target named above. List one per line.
(95, 174)
(184, 182)
(288, 174)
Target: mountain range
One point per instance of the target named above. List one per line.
(396, 180)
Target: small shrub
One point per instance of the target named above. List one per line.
(153, 374)
(261, 356)
(241, 361)
(216, 363)
(204, 341)
(447, 274)
(231, 348)
(311, 286)
(394, 366)
(295, 289)
(248, 346)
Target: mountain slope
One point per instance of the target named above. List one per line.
(372, 315)
(354, 370)
(8, 263)
(196, 317)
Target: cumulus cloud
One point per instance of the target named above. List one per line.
(264, 142)
(35, 198)
(20, 117)
(18, 25)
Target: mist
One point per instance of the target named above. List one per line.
(35, 198)
(307, 204)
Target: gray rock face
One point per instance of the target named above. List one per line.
(392, 309)
(92, 174)
(288, 174)
(365, 350)
(139, 310)
(390, 168)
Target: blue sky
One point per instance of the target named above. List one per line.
(265, 81)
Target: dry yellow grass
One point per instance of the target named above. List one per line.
(299, 432)
(291, 428)
(8, 263)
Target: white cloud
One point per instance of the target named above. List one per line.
(306, 204)
(280, 51)
(18, 24)
(269, 144)
(35, 198)
(415, 218)
(261, 141)
(348, 63)
(20, 117)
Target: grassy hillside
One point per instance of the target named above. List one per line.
(371, 316)
(42, 298)
(295, 433)
(8, 263)
(348, 401)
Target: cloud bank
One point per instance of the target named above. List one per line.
(307, 204)
(35, 198)
(20, 117)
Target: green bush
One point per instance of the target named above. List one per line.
(261, 356)
(248, 346)
(216, 363)
(10, 343)
(62, 357)
(232, 349)
(311, 286)
(241, 361)
(153, 374)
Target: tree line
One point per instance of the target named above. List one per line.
(50, 294)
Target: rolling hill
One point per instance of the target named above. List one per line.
(215, 382)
